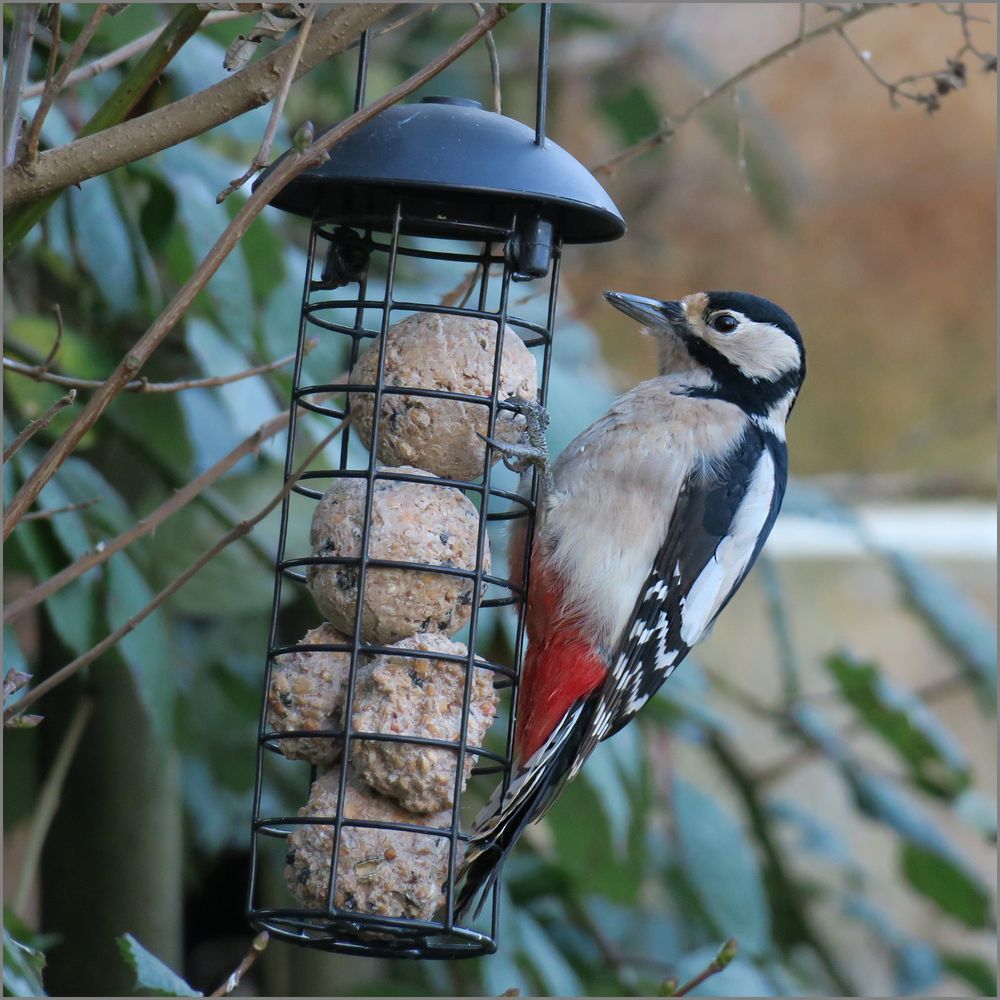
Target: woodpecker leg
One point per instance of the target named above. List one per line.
(531, 451)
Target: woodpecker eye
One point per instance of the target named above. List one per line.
(723, 322)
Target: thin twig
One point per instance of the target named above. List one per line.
(669, 126)
(54, 84)
(21, 41)
(48, 801)
(54, 350)
(111, 640)
(55, 16)
(105, 550)
(45, 515)
(98, 66)
(259, 161)
(39, 374)
(37, 425)
(491, 48)
(112, 138)
(723, 957)
(167, 509)
(256, 949)
(282, 173)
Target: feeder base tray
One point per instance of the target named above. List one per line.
(372, 936)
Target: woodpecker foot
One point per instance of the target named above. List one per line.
(532, 451)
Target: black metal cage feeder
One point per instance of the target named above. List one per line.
(439, 185)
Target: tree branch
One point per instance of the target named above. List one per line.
(725, 955)
(669, 126)
(48, 801)
(151, 521)
(40, 373)
(37, 425)
(91, 155)
(45, 515)
(147, 524)
(54, 82)
(111, 640)
(256, 949)
(101, 65)
(281, 174)
(260, 159)
(115, 109)
(21, 41)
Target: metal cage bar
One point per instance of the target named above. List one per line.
(343, 317)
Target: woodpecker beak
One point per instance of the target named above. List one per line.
(650, 312)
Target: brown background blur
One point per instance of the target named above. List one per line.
(884, 249)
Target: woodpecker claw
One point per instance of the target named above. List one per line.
(522, 456)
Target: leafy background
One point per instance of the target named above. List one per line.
(818, 785)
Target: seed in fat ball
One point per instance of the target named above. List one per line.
(455, 353)
(307, 692)
(394, 873)
(418, 696)
(410, 522)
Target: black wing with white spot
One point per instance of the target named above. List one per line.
(721, 519)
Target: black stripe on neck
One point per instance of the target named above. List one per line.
(754, 396)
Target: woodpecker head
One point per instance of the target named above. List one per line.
(750, 347)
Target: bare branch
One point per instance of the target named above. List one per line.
(51, 356)
(98, 66)
(37, 425)
(151, 521)
(669, 126)
(943, 81)
(259, 161)
(40, 374)
(256, 949)
(491, 48)
(723, 957)
(54, 83)
(48, 801)
(282, 173)
(146, 134)
(110, 641)
(46, 515)
(21, 41)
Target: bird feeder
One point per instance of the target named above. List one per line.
(382, 711)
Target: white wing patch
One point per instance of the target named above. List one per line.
(717, 579)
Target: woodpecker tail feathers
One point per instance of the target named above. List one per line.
(504, 817)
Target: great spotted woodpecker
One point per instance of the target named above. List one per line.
(648, 523)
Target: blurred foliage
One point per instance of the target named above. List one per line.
(641, 870)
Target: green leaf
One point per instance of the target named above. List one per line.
(22, 965)
(103, 244)
(146, 649)
(152, 977)
(976, 971)
(229, 292)
(934, 757)
(962, 627)
(248, 401)
(722, 869)
(554, 973)
(71, 611)
(882, 800)
(950, 885)
(816, 835)
(979, 812)
(631, 109)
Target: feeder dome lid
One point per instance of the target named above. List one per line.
(448, 159)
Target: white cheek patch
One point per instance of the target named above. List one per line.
(759, 350)
(717, 579)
